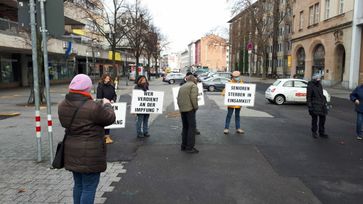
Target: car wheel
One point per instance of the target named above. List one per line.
(171, 81)
(211, 88)
(279, 99)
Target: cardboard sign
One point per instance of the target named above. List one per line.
(240, 94)
(147, 102)
(201, 101)
(120, 112)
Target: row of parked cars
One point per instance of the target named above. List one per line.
(281, 91)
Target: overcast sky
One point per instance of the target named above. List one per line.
(184, 21)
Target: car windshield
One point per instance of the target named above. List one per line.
(276, 83)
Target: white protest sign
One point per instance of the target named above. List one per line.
(201, 101)
(240, 94)
(147, 102)
(120, 112)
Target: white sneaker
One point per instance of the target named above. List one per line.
(240, 131)
(359, 138)
(226, 131)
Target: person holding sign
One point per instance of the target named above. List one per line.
(142, 119)
(84, 147)
(188, 106)
(106, 89)
(237, 109)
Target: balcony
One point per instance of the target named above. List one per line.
(8, 26)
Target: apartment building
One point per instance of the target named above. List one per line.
(270, 36)
(78, 51)
(322, 40)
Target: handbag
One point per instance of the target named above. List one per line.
(58, 161)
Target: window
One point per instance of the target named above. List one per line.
(301, 20)
(300, 84)
(311, 15)
(341, 6)
(327, 9)
(317, 13)
(288, 84)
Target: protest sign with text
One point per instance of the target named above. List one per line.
(120, 112)
(200, 96)
(147, 102)
(240, 94)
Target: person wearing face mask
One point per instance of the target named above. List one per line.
(106, 89)
(142, 119)
(317, 106)
(236, 78)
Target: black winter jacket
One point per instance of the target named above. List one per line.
(315, 98)
(357, 94)
(106, 91)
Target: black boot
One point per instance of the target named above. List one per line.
(323, 135)
(315, 136)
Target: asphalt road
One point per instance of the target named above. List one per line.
(275, 161)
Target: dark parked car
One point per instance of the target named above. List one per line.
(215, 83)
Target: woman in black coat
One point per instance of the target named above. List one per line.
(317, 105)
(106, 89)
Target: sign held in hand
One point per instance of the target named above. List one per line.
(147, 102)
(240, 94)
(120, 112)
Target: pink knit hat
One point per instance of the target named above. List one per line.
(81, 82)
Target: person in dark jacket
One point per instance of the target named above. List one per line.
(317, 105)
(106, 89)
(84, 148)
(188, 106)
(142, 119)
(357, 97)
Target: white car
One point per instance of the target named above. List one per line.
(289, 90)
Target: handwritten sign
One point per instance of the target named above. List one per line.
(201, 101)
(147, 102)
(120, 112)
(240, 94)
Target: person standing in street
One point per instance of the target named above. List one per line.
(357, 97)
(237, 109)
(84, 149)
(142, 119)
(197, 132)
(317, 106)
(106, 89)
(188, 106)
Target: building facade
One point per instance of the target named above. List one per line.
(213, 53)
(356, 66)
(322, 40)
(79, 50)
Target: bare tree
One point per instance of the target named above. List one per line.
(110, 21)
(264, 19)
(140, 19)
(151, 43)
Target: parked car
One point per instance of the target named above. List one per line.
(289, 90)
(205, 76)
(216, 74)
(215, 84)
(172, 78)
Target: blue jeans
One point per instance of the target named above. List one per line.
(359, 124)
(85, 186)
(142, 120)
(229, 116)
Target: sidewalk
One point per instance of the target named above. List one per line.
(23, 180)
(334, 92)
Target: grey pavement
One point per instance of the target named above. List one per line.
(22, 179)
